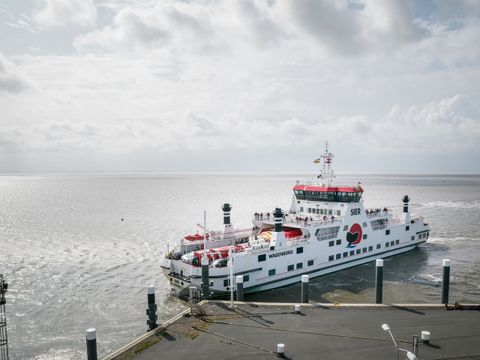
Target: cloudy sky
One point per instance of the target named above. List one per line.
(123, 85)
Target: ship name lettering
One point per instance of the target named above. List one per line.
(281, 253)
(355, 211)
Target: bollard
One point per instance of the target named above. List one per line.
(425, 336)
(152, 308)
(379, 281)
(446, 281)
(239, 280)
(297, 309)
(281, 350)
(91, 344)
(205, 278)
(304, 289)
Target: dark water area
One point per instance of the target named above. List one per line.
(72, 263)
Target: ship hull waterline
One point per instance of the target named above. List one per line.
(292, 278)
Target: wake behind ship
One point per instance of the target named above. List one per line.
(327, 229)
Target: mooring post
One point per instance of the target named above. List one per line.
(205, 278)
(304, 297)
(446, 281)
(281, 350)
(239, 281)
(152, 308)
(379, 281)
(91, 344)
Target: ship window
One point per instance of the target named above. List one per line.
(301, 208)
(364, 236)
(300, 250)
(358, 251)
(370, 248)
(299, 265)
(387, 244)
(318, 211)
(345, 228)
(407, 228)
(271, 272)
(364, 224)
(262, 257)
(331, 243)
(397, 242)
(339, 242)
(379, 246)
(364, 250)
(345, 254)
(352, 252)
(413, 237)
(427, 234)
(327, 233)
(387, 232)
(392, 243)
(246, 278)
(330, 258)
(226, 282)
(290, 267)
(309, 210)
(338, 212)
(329, 211)
(338, 256)
(310, 262)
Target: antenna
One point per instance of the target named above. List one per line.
(326, 173)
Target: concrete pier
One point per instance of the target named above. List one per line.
(326, 331)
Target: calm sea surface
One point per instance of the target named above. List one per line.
(72, 263)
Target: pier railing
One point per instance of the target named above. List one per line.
(454, 347)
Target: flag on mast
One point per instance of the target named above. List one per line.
(316, 161)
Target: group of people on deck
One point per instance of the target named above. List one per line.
(375, 211)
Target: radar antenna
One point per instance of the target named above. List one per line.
(326, 171)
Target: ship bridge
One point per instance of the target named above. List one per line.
(341, 194)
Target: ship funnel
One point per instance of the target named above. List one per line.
(405, 200)
(278, 219)
(226, 213)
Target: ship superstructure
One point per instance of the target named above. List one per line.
(327, 229)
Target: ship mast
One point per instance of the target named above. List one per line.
(326, 171)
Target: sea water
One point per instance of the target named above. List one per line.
(79, 251)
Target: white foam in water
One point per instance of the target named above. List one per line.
(452, 204)
(442, 240)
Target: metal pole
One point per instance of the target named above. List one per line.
(3, 320)
(91, 344)
(379, 281)
(415, 345)
(446, 281)
(239, 280)
(230, 264)
(205, 278)
(152, 308)
(304, 293)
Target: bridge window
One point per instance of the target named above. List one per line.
(379, 246)
(387, 232)
(299, 265)
(271, 272)
(352, 252)
(330, 258)
(300, 250)
(290, 267)
(310, 263)
(262, 257)
(338, 256)
(331, 243)
(345, 254)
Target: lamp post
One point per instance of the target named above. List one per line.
(410, 355)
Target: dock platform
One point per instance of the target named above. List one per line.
(319, 331)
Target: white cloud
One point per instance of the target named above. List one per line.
(66, 12)
(203, 77)
(11, 81)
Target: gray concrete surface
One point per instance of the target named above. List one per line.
(251, 331)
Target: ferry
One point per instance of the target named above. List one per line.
(326, 229)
